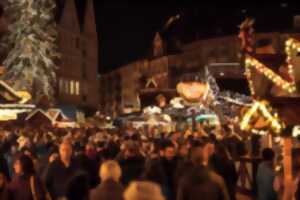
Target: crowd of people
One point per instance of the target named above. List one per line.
(127, 164)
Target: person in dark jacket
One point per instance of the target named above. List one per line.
(4, 167)
(25, 185)
(131, 162)
(78, 187)
(198, 181)
(110, 187)
(169, 162)
(154, 173)
(87, 162)
(223, 165)
(61, 171)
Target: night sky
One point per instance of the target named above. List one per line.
(126, 30)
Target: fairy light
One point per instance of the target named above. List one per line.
(291, 46)
(263, 69)
(265, 110)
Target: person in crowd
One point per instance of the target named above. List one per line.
(131, 162)
(60, 171)
(110, 187)
(198, 182)
(222, 163)
(143, 190)
(3, 166)
(25, 185)
(169, 162)
(78, 187)
(265, 176)
(3, 187)
(154, 172)
(87, 162)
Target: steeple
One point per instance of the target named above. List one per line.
(69, 19)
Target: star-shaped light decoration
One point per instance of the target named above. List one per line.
(261, 117)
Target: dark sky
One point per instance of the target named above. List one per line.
(126, 30)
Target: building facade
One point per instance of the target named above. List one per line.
(220, 55)
(78, 68)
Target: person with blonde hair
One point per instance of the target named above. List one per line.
(110, 187)
(143, 190)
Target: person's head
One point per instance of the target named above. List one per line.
(78, 187)
(23, 165)
(90, 150)
(169, 151)
(65, 150)
(183, 150)
(268, 154)
(174, 136)
(197, 152)
(110, 170)
(143, 190)
(131, 149)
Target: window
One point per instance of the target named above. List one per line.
(72, 87)
(77, 88)
(66, 87)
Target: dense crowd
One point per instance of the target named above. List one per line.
(128, 164)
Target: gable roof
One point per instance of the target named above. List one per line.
(53, 114)
(39, 111)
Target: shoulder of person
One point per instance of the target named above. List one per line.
(216, 178)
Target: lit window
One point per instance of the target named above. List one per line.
(77, 88)
(72, 87)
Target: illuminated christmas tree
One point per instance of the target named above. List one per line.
(32, 47)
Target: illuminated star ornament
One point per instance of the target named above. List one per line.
(287, 84)
(261, 118)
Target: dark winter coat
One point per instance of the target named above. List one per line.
(132, 169)
(4, 167)
(107, 190)
(169, 169)
(19, 189)
(58, 177)
(90, 167)
(200, 183)
(226, 169)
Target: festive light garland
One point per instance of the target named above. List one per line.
(264, 108)
(276, 79)
(290, 86)
(290, 45)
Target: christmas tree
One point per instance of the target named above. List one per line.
(32, 47)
